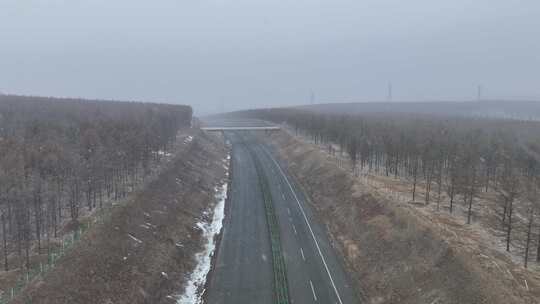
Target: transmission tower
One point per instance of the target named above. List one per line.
(480, 89)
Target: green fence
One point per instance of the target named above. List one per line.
(39, 270)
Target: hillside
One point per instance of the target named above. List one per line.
(62, 161)
(142, 249)
(423, 200)
(526, 110)
(399, 252)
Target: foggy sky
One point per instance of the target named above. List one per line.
(230, 54)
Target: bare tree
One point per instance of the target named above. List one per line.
(508, 187)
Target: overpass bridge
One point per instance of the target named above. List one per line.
(246, 128)
(238, 125)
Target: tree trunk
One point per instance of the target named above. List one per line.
(439, 182)
(509, 228)
(396, 167)
(4, 239)
(37, 215)
(538, 249)
(505, 210)
(428, 186)
(452, 198)
(527, 243)
(415, 176)
(487, 179)
(27, 238)
(471, 195)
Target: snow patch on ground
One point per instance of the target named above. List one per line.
(135, 239)
(163, 153)
(194, 291)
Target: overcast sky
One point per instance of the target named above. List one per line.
(231, 54)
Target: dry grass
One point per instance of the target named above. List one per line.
(143, 251)
(402, 252)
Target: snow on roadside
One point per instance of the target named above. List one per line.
(135, 239)
(194, 291)
(163, 153)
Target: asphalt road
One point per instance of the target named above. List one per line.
(243, 268)
(243, 272)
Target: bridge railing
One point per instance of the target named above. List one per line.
(217, 128)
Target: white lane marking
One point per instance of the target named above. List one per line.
(289, 211)
(302, 253)
(283, 196)
(313, 290)
(294, 228)
(309, 226)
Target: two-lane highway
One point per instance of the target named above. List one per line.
(314, 272)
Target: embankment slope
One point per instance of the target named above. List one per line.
(143, 250)
(393, 255)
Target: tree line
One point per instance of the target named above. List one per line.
(58, 156)
(448, 159)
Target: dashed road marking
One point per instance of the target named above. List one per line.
(302, 253)
(308, 224)
(313, 291)
(294, 228)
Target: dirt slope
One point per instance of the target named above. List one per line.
(394, 255)
(143, 251)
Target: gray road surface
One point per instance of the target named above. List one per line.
(243, 272)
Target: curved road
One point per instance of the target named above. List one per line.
(243, 270)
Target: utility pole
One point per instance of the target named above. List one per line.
(389, 97)
(479, 97)
(312, 98)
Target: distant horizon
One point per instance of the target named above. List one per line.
(223, 56)
(196, 113)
